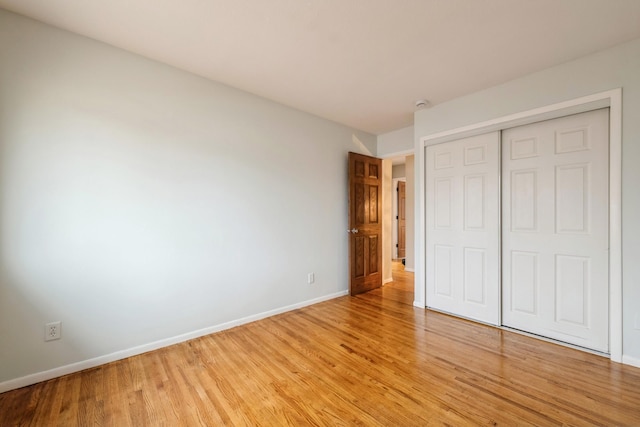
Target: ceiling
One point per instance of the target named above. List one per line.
(363, 63)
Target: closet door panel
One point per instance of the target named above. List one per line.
(463, 234)
(555, 229)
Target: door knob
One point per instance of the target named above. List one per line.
(353, 230)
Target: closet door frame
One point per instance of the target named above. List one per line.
(611, 99)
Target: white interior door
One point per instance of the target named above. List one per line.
(463, 234)
(555, 229)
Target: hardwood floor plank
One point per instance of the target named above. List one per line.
(368, 360)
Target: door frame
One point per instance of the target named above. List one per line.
(611, 99)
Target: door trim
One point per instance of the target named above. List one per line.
(611, 99)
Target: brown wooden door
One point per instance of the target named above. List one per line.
(401, 219)
(365, 223)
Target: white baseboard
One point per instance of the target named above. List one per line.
(134, 351)
(419, 304)
(389, 280)
(633, 361)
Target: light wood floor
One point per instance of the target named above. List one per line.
(367, 360)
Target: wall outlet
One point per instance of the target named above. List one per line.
(311, 277)
(53, 331)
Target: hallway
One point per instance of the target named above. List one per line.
(401, 289)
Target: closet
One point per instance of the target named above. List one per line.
(517, 228)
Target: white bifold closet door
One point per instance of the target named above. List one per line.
(555, 229)
(463, 233)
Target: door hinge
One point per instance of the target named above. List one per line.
(396, 245)
(396, 216)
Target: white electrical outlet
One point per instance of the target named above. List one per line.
(53, 331)
(311, 277)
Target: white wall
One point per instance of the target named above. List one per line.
(139, 202)
(396, 142)
(398, 171)
(609, 69)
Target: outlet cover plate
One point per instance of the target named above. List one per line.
(53, 331)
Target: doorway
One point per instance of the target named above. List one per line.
(397, 172)
(401, 224)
